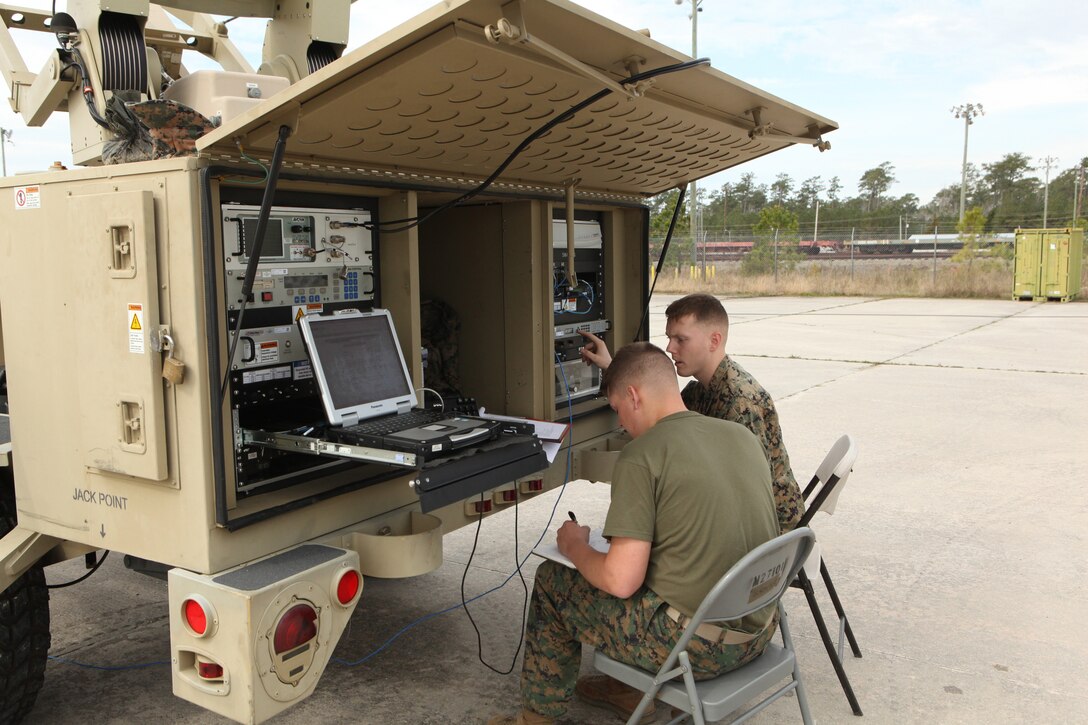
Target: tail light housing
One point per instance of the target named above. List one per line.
(346, 586)
(297, 626)
(199, 616)
(208, 670)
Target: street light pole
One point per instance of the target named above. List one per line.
(1079, 192)
(968, 112)
(5, 136)
(693, 189)
(1048, 162)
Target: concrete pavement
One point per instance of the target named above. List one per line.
(958, 547)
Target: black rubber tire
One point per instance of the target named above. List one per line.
(24, 626)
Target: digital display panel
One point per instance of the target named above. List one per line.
(305, 280)
(271, 246)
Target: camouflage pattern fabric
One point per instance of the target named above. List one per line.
(734, 395)
(567, 611)
(155, 129)
(174, 128)
(440, 329)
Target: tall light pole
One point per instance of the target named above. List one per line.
(1047, 163)
(1079, 192)
(5, 137)
(968, 112)
(693, 190)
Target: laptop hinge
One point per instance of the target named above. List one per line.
(350, 419)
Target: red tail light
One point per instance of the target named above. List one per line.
(348, 586)
(199, 615)
(296, 627)
(208, 670)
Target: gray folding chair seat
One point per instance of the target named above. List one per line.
(744, 589)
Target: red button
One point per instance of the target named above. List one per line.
(266, 296)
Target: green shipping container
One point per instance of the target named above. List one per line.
(1048, 264)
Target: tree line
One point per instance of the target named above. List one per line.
(1008, 194)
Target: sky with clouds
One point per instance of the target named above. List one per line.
(887, 72)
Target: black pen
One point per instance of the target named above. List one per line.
(572, 516)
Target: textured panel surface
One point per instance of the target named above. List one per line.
(451, 104)
(277, 568)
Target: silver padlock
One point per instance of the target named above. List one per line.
(173, 369)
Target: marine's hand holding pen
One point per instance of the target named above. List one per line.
(569, 533)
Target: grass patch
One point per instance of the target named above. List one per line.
(979, 279)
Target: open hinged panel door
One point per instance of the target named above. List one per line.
(446, 98)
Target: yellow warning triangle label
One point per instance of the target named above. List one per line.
(135, 323)
(300, 314)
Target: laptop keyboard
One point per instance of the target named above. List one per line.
(395, 423)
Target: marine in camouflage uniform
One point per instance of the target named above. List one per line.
(733, 394)
(690, 493)
(567, 611)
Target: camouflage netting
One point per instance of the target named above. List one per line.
(441, 328)
(155, 129)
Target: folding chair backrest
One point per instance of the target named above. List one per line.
(838, 463)
(758, 579)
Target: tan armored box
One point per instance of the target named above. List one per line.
(118, 458)
(222, 95)
(572, 120)
(121, 459)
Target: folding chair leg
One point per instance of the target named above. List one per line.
(787, 640)
(832, 654)
(693, 694)
(839, 610)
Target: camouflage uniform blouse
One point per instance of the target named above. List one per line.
(733, 394)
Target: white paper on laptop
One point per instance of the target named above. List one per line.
(551, 550)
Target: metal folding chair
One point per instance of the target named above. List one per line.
(757, 580)
(822, 494)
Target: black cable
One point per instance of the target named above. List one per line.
(524, 587)
(644, 320)
(77, 581)
(255, 252)
(88, 90)
(565, 116)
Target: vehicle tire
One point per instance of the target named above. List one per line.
(24, 626)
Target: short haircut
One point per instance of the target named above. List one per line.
(640, 362)
(706, 309)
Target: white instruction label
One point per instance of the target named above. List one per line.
(28, 197)
(134, 321)
(268, 352)
(301, 370)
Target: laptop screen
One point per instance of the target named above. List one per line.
(358, 364)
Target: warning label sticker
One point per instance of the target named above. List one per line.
(297, 311)
(134, 321)
(28, 197)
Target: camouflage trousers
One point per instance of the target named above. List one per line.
(567, 611)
